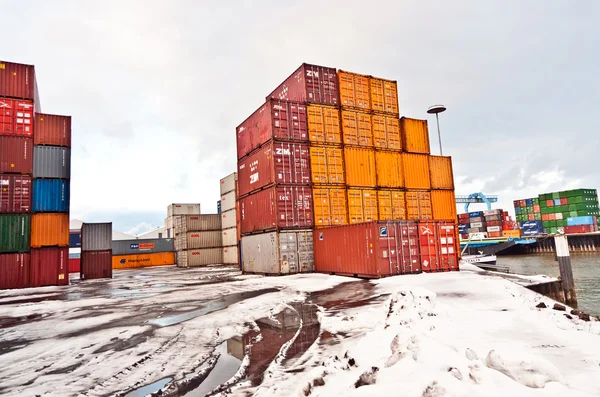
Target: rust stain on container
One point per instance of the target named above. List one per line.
(357, 128)
(416, 171)
(362, 205)
(415, 135)
(392, 205)
(360, 167)
(330, 206)
(443, 204)
(389, 169)
(324, 124)
(51, 129)
(354, 90)
(16, 155)
(418, 205)
(49, 230)
(384, 95)
(327, 165)
(386, 131)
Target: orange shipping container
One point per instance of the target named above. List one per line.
(324, 124)
(392, 205)
(386, 132)
(357, 128)
(362, 205)
(360, 167)
(443, 204)
(143, 260)
(327, 165)
(415, 135)
(354, 90)
(330, 206)
(416, 171)
(418, 205)
(440, 169)
(511, 233)
(49, 230)
(388, 166)
(384, 95)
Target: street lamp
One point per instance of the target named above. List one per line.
(437, 109)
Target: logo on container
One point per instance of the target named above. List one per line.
(195, 252)
(425, 230)
(4, 105)
(195, 235)
(283, 152)
(383, 231)
(123, 261)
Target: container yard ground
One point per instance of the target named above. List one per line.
(465, 333)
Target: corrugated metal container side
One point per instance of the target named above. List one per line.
(14, 233)
(416, 171)
(52, 129)
(229, 219)
(146, 246)
(282, 207)
(309, 83)
(16, 117)
(96, 264)
(357, 128)
(327, 165)
(228, 201)
(440, 169)
(278, 253)
(443, 204)
(16, 155)
(74, 265)
(49, 266)
(51, 195)
(389, 169)
(392, 205)
(195, 240)
(228, 184)
(194, 223)
(49, 230)
(18, 81)
(200, 257)
(415, 135)
(330, 206)
(324, 125)
(386, 132)
(14, 269)
(51, 162)
(132, 261)
(384, 95)
(230, 255)
(362, 205)
(354, 90)
(360, 167)
(96, 236)
(183, 209)
(229, 237)
(418, 205)
(15, 193)
(74, 239)
(276, 162)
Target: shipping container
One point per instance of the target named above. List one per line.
(359, 164)
(276, 119)
(74, 265)
(15, 194)
(478, 224)
(438, 246)
(386, 131)
(496, 234)
(51, 195)
(369, 250)
(49, 266)
(14, 233)
(228, 184)
(357, 128)
(49, 230)
(96, 264)
(414, 135)
(229, 237)
(183, 209)
(278, 252)
(74, 239)
(391, 204)
(443, 204)
(581, 220)
(227, 202)
(275, 163)
(132, 261)
(51, 129)
(475, 214)
(324, 125)
(200, 257)
(281, 207)
(16, 117)
(330, 206)
(492, 212)
(494, 229)
(416, 171)
(200, 239)
(218, 206)
(18, 81)
(384, 95)
(327, 165)
(230, 256)
(229, 219)
(418, 205)
(511, 233)
(576, 229)
(16, 155)
(51, 162)
(309, 83)
(354, 90)
(96, 236)
(194, 223)
(146, 246)
(389, 169)
(14, 269)
(362, 205)
(440, 169)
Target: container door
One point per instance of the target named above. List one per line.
(447, 242)
(429, 246)
(306, 259)
(388, 249)
(409, 248)
(288, 252)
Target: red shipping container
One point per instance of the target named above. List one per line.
(16, 155)
(537, 209)
(564, 201)
(551, 217)
(15, 194)
(447, 235)
(276, 119)
(494, 223)
(51, 129)
(429, 247)
(16, 117)
(74, 265)
(14, 271)
(531, 217)
(96, 264)
(49, 266)
(18, 81)
(277, 162)
(494, 234)
(309, 83)
(549, 203)
(523, 203)
(281, 207)
(545, 217)
(369, 250)
(580, 229)
(464, 216)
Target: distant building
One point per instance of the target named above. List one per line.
(159, 232)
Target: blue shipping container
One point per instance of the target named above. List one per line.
(219, 207)
(50, 195)
(531, 232)
(75, 240)
(475, 214)
(556, 201)
(532, 225)
(518, 210)
(529, 202)
(580, 221)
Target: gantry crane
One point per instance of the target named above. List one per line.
(476, 198)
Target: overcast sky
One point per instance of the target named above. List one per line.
(156, 88)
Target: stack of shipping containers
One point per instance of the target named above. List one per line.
(174, 210)
(129, 254)
(227, 210)
(479, 225)
(198, 240)
(96, 250)
(74, 250)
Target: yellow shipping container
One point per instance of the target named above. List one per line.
(324, 124)
(384, 95)
(49, 230)
(143, 260)
(354, 90)
(327, 165)
(414, 135)
(440, 169)
(388, 166)
(362, 205)
(392, 205)
(443, 204)
(416, 171)
(511, 233)
(360, 167)
(357, 128)
(418, 205)
(386, 131)
(330, 206)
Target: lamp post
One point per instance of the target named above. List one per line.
(437, 109)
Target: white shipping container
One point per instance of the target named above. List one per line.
(183, 209)
(230, 256)
(195, 240)
(96, 236)
(559, 216)
(228, 184)
(195, 223)
(477, 236)
(492, 229)
(228, 201)
(228, 219)
(229, 237)
(476, 224)
(278, 252)
(200, 257)
(492, 212)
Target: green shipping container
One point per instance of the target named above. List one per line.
(538, 216)
(14, 233)
(536, 201)
(543, 204)
(555, 195)
(576, 200)
(583, 193)
(572, 213)
(546, 211)
(566, 215)
(517, 211)
(563, 194)
(561, 223)
(546, 224)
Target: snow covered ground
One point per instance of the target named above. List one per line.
(451, 334)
